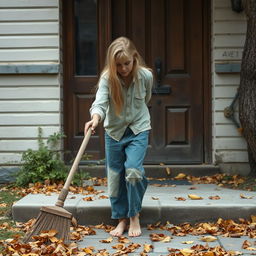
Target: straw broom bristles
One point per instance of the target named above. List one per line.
(55, 217)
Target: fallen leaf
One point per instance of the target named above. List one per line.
(208, 238)
(123, 240)
(119, 247)
(148, 248)
(89, 198)
(155, 198)
(195, 197)
(103, 197)
(253, 218)
(160, 238)
(246, 244)
(180, 176)
(209, 253)
(245, 197)
(180, 198)
(167, 239)
(168, 170)
(107, 241)
(214, 197)
(251, 248)
(187, 252)
(88, 250)
(187, 242)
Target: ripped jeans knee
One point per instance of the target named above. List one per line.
(133, 175)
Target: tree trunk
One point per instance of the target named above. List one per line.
(247, 88)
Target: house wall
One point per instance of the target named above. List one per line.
(228, 37)
(30, 91)
(31, 80)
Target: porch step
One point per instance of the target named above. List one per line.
(159, 204)
(97, 169)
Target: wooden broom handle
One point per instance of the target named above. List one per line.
(64, 191)
(77, 159)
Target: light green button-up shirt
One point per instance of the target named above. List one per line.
(135, 113)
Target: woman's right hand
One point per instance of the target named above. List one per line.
(92, 124)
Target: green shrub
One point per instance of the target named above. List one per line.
(42, 164)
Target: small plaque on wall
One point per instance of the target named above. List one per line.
(226, 68)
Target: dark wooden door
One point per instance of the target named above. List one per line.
(170, 35)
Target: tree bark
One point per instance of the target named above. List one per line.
(247, 88)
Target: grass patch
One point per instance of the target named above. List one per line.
(7, 226)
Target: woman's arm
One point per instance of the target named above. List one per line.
(99, 106)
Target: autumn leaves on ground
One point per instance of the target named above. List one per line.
(47, 244)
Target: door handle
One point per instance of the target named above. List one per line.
(159, 88)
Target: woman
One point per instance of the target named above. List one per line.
(124, 89)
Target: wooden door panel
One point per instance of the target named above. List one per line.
(177, 126)
(176, 117)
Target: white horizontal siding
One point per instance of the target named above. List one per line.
(29, 28)
(227, 130)
(232, 27)
(29, 34)
(28, 3)
(221, 104)
(28, 93)
(226, 79)
(17, 42)
(231, 156)
(26, 132)
(29, 80)
(225, 91)
(222, 3)
(29, 31)
(230, 144)
(35, 14)
(219, 118)
(226, 14)
(29, 55)
(16, 106)
(228, 41)
(19, 146)
(228, 34)
(37, 119)
(10, 158)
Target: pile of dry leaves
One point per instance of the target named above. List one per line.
(47, 188)
(47, 244)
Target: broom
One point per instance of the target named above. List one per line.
(56, 217)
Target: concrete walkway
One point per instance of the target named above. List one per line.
(160, 204)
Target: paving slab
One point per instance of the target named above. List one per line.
(235, 244)
(159, 248)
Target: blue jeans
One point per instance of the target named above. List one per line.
(126, 176)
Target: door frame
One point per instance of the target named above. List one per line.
(207, 84)
(68, 48)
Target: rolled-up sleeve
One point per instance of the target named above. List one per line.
(101, 102)
(149, 84)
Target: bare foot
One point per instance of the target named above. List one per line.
(120, 228)
(134, 229)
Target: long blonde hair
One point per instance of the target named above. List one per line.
(120, 48)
